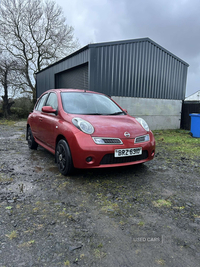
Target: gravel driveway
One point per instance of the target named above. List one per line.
(147, 215)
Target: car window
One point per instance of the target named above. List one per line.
(41, 103)
(52, 101)
(89, 103)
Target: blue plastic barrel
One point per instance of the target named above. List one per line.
(195, 125)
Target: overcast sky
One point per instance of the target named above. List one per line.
(173, 24)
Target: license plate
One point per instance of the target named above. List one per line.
(128, 152)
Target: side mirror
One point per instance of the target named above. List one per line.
(49, 109)
(125, 110)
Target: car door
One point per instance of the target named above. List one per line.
(49, 122)
(35, 119)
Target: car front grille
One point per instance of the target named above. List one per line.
(112, 141)
(110, 159)
(107, 141)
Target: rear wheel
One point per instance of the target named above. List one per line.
(31, 141)
(64, 158)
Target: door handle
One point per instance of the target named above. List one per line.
(40, 118)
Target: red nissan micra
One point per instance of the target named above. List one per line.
(85, 129)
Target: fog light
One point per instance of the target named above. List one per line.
(152, 153)
(89, 159)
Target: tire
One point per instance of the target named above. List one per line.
(64, 158)
(31, 141)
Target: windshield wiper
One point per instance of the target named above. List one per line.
(118, 113)
(103, 114)
(94, 114)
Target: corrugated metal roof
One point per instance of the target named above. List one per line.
(114, 43)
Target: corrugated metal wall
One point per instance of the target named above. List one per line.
(46, 79)
(132, 68)
(137, 69)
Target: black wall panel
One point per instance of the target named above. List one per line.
(188, 107)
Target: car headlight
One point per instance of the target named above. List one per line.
(143, 123)
(83, 125)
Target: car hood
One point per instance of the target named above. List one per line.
(114, 126)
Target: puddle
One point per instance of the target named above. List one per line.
(11, 137)
(53, 169)
(20, 187)
(38, 169)
(21, 123)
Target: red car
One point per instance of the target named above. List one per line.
(85, 129)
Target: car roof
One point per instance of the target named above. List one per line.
(72, 90)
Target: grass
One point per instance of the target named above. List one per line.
(7, 122)
(12, 235)
(8, 208)
(66, 263)
(178, 141)
(10, 121)
(162, 203)
(108, 206)
(160, 262)
(99, 254)
(5, 178)
(27, 244)
(141, 223)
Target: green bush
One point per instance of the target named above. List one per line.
(19, 112)
(22, 107)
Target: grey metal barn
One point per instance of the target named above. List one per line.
(134, 72)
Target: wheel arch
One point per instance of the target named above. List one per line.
(60, 137)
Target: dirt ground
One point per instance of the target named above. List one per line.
(147, 215)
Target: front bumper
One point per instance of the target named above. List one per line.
(87, 154)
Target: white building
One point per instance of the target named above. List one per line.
(193, 97)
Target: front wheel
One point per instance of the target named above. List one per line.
(64, 158)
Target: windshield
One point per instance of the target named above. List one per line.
(89, 103)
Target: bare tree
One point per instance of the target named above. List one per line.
(7, 67)
(36, 34)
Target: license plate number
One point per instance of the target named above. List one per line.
(128, 152)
